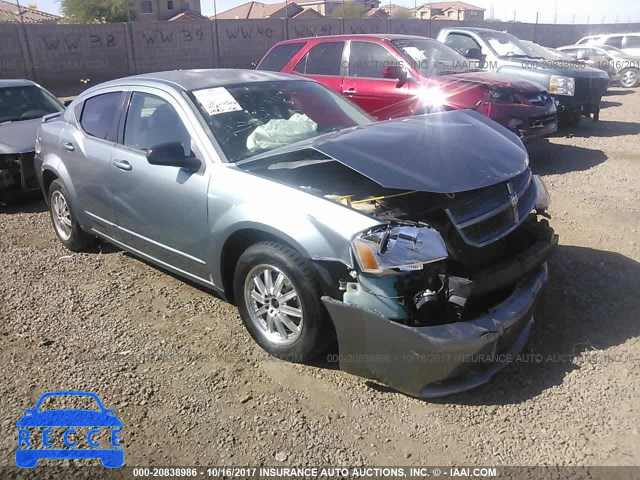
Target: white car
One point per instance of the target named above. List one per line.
(629, 43)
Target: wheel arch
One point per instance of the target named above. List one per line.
(327, 272)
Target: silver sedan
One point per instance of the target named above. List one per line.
(394, 239)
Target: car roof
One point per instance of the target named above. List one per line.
(476, 29)
(359, 36)
(197, 79)
(15, 82)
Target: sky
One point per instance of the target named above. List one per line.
(568, 11)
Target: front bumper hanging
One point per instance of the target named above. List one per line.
(437, 360)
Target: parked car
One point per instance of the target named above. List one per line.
(629, 43)
(392, 76)
(397, 237)
(622, 68)
(577, 89)
(22, 104)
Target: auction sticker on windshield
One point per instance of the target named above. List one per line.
(217, 100)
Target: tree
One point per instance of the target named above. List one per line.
(351, 10)
(96, 11)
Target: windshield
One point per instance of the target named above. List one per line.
(506, 45)
(252, 118)
(548, 53)
(26, 103)
(432, 57)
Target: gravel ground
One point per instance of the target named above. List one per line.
(192, 387)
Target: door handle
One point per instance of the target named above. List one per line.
(350, 91)
(122, 164)
(70, 147)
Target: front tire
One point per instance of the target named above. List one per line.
(278, 297)
(64, 221)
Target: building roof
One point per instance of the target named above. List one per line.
(456, 5)
(9, 13)
(377, 13)
(258, 10)
(188, 15)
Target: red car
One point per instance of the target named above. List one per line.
(392, 76)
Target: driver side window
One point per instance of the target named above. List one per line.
(462, 43)
(152, 121)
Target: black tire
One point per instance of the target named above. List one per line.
(627, 78)
(571, 118)
(77, 239)
(314, 334)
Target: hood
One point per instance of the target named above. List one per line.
(493, 79)
(18, 137)
(542, 66)
(443, 152)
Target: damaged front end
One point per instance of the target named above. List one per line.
(17, 174)
(440, 305)
(438, 295)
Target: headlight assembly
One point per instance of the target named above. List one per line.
(559, 85)
(543, 200)
(388, 250)
(503, 96)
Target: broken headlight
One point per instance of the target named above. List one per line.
(388, 250)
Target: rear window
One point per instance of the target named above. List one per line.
(100, 115)
(278, 57)
(323, 59)
(632, 41)
(614, 41)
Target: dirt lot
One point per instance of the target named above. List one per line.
(192, 387)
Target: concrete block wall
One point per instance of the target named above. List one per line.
(68, 58)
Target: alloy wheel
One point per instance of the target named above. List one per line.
(273, 304)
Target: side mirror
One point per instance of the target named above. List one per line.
(475, 54)
(394, 71)
(172, 155)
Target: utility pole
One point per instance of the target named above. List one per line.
(215, 9)
(555, 11)
(20, 11)
(126, 5)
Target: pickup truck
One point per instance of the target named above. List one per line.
(577, 89)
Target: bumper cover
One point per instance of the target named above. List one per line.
(439, 360)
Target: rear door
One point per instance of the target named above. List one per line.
(161, 211)
(87, 145)
(365, 85)
(323, 63)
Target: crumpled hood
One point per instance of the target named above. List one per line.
(492, 79)
(18, 137)
(444, 152)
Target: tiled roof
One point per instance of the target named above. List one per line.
(188, 15)
(258, 10)
(9, 13)
(456, 5)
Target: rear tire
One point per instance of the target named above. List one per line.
(630, 78)
(64, 221)
(279, 299)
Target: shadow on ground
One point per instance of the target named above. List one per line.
(590, 303)
(548, 158)
(602, 128)
(28, 203)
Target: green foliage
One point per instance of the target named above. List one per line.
(351, 10)
(97, 11)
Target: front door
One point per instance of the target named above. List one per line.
(161, 211)
(365, 85)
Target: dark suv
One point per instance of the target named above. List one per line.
(393, 76)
